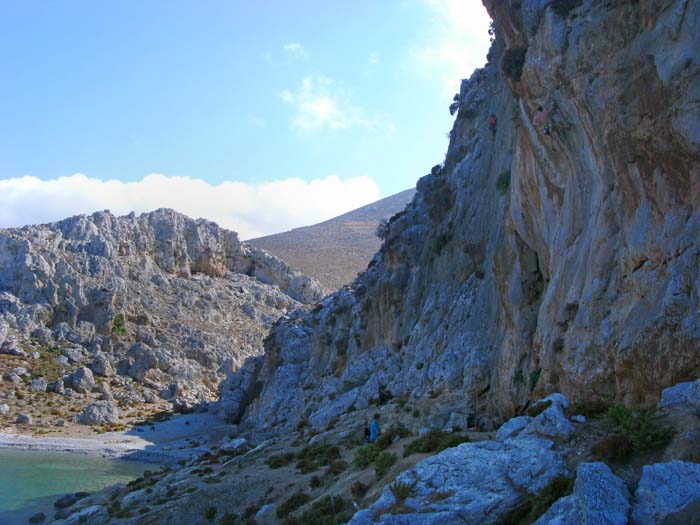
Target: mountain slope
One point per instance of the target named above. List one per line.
(154, 309)
(336, 250)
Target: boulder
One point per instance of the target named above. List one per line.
(667, 493)
(11, 347)
(4, 409)
(55, 387)
(38, 385)
(99, 413)
(82, 380)
(599, 498)
(684, 395)
(23, 419)
(65, 501)
(39, 517)
(481, 482)
(102, 365)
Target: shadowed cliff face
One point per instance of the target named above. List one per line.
(530, 262)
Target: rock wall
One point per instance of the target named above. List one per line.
(527, 262)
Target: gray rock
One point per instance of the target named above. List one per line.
(4, 409)
(665, 491)
(82, 380)
(599, 498)
(39, 517)
(92, 515)
(56, 387)
(267, 515)
(149, 396)
(512, 427)
(38, 385)
(102, 365)
(13, 378)
(35, 355)
(62, 360)
(68, 392)
(99, 413)
(11, 347)
(23, 419)
(65, 501)
(684, 395)
(3, 333)
(483, 483)
(74, 355)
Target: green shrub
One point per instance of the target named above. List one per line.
(385, 440)
(210, 513)
(383, 463)
(327, 511)
(503, 182)
(119, 325)
(336, 467)
(401, 490)
(644, 428)
(229, 519)
(295, 501)
(613, 448)
(365, 456)
(315, 482)
(562, 8)
(519, 378)
(280, 460)
(434, 441)
(315, 456)
(513, 62)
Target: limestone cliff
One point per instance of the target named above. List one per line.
(559, 258)
(161, 306)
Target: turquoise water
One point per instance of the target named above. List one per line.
(31, 481)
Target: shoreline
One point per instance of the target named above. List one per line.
(163, 442)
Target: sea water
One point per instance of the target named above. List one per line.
(30, 481)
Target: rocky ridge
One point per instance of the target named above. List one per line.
(148, 311)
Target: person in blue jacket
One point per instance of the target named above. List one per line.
(374, 429)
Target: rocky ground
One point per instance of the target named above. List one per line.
(554, 465)
(107, 321)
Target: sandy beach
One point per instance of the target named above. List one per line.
(163, 442)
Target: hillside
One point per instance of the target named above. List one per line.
(130, 315)
(336, 250)
(527, 333)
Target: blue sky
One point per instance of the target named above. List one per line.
(261, 115)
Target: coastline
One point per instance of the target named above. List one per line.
(163, 442)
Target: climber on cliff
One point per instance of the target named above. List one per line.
(492, 126)
(541, 120)
(374, 429)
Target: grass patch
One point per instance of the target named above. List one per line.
(384, 462)
(395, 432)
(119, 325)
(316, 456)
(434, 441)
(365, 456)
(401, 491)
(295, 501)
(210, 513)
(326, 511)
(279, 460)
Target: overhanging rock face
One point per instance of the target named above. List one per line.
(563, 259)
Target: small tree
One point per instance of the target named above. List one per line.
(382, 230)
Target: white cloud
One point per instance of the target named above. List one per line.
(251, 209)
(322, 103)
(456, 43)
(295, 50)
(373, 58)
